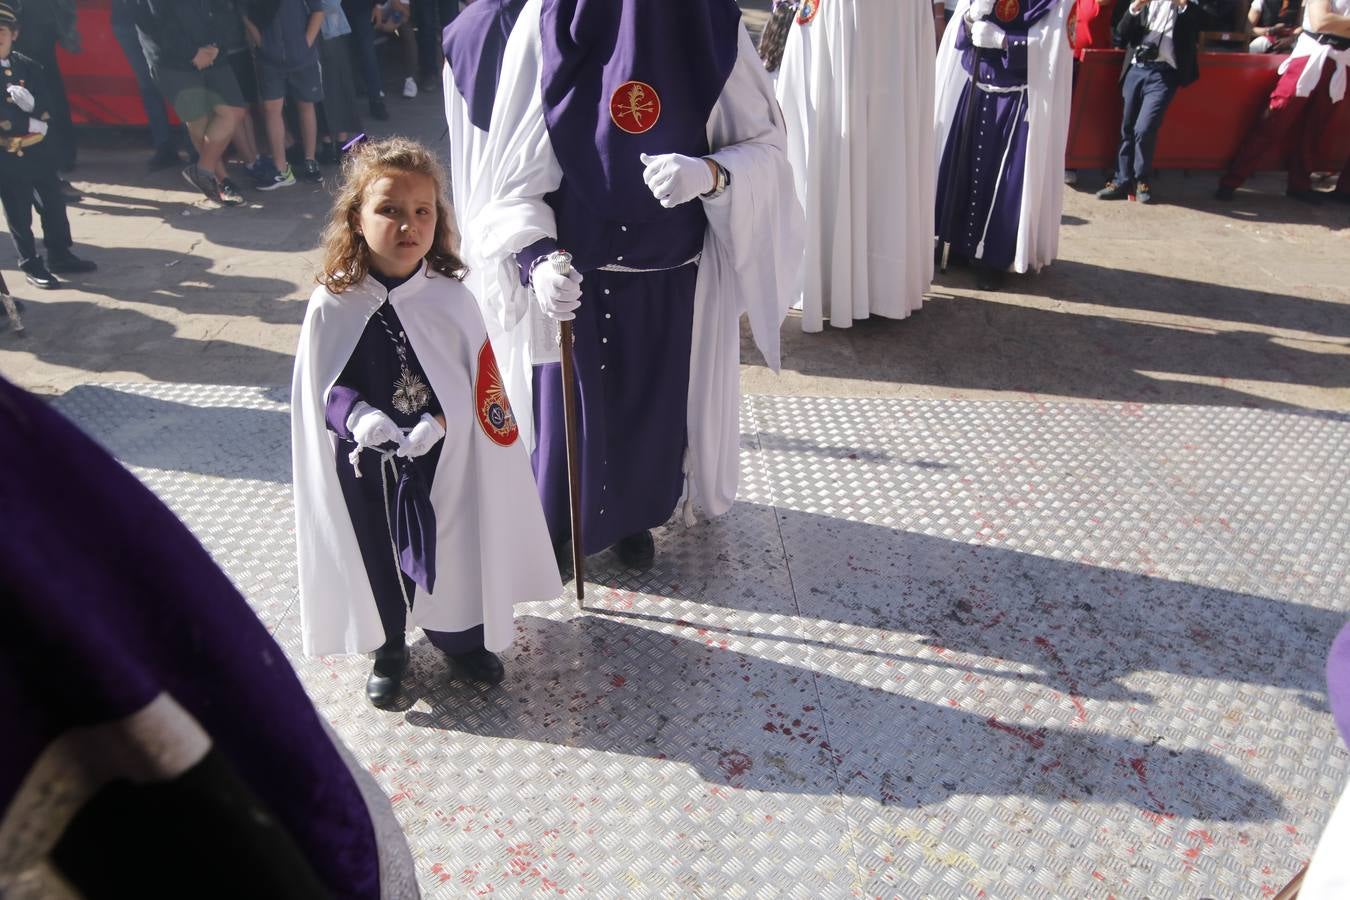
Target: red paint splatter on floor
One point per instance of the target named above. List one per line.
(1063, 671)
(1140, 766)
(618, 681)
(734, 763)
(1035, 739)
(1098, 875)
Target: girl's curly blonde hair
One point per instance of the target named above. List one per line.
(346, 258)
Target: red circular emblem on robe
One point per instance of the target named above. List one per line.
(490, 403)
(1071, 29)
(1007, 10)
(807, 11)
(635, 107)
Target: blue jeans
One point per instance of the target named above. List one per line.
(161, 134)
(1147, 90)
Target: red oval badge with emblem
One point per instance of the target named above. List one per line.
(1007, 10)
(635, 107)
(807, 11)
(1071, 29)
(490, 403)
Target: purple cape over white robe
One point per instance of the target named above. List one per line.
(155, 736)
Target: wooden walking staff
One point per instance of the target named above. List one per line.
(11, 309)
(562, 264)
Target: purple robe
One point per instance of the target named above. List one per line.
(109, 608)
(634, 329)
(474, 45)
(979, 196)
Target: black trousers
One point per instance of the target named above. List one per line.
(19, 193)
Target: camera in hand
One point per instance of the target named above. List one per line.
(1146, 53)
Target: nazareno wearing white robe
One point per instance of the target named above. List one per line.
(856, 88)
(1049, 91)
(748, 263)
(491, 546)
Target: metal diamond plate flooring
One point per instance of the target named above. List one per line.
(939, 649)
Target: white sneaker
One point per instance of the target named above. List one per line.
(409, 88)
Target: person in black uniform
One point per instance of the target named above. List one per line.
(27, 169)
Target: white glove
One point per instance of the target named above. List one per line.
(558, 295)
(987, 35)
(371, 428)
(674, 179)
(21, 96)
(36, 126)
(979, 9)
(423, 437)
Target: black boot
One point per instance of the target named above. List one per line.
(66, 262)
(562, 555)
(35, 270)
(386, 676)
(988, 278)
(637, 551)
(479, 665)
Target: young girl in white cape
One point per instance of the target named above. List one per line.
(414, 500)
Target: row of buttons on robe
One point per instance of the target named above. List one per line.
(604, 486)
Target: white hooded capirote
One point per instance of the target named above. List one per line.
(749, 259)
(856, 88)
(1049, 92)
(492, 546)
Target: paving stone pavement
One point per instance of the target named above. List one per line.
(939, 648)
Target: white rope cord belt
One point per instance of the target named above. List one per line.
(995, 89)
(614, 267)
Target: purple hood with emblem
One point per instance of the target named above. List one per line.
(682, 52)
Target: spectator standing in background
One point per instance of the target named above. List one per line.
(430, 17)
(340, 118)
(1161, 39)
(162, 136)
(360, 15)
(286, 33)
(47, 23)
(394, 18)
(180, 44)
(27, 168)
(1312, 81)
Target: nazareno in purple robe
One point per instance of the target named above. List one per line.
(981, 223)
(634, 327)
(177, 746)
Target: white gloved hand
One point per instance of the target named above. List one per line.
(979, 9)
(987, 35)
(674, 179)
(558, 295)
(371, 428)
(22, 97)
(36, 126)
(423, 437)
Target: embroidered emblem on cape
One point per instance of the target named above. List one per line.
(1007, 10)
(635, 107)
(808, 11)
(1071, 29)
(411, 394)
(494, 410)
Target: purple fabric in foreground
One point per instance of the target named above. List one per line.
(107, 601)
(474, 45)
(1338, 681)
